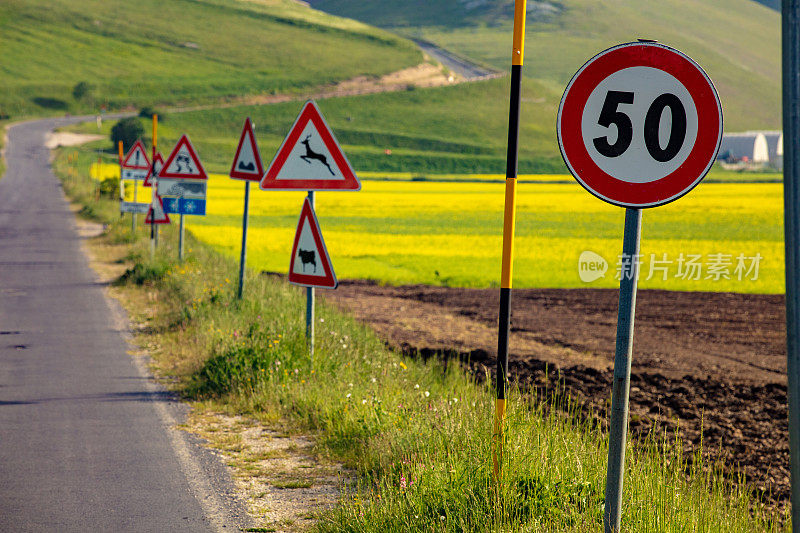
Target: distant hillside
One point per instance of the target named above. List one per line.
(736, 41)
(449, 13)
(177, 52)
(773, 4)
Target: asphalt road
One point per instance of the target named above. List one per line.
(85, 436)
(463, 67)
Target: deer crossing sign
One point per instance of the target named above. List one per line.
(310, 158)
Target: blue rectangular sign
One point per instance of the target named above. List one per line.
(184, 206)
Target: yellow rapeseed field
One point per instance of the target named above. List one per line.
(720, 237)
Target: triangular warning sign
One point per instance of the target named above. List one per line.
(310, 158)
(183, 162)
(158, 163)
(310, 265)
(137, 157)
(247, 161)
(156, 213)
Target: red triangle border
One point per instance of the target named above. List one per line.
(184, 140)
(258, 173)
(326, 281)
(310, 112)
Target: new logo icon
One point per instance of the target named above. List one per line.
(591, 266)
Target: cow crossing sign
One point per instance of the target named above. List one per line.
(310, 264)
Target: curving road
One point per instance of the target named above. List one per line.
(86, 442)
(463, 67)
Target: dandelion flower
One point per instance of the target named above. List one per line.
(403, 366)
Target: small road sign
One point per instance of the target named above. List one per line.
(133, 207)
(310, 158)
(247, 163)
(136, 159)
(183, 162)
(310, 265)
(639, 124)
(158, 164)
(156, 213)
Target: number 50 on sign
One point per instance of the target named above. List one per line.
(639, 124)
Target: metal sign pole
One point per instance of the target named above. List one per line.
(180, 239)
(504, 322)
(791, 191)
(629, 276)
(245, 219)
(154, 226)
(310, 302)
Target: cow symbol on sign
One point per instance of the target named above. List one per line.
(308, 256)
(311, 155)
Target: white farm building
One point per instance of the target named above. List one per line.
(752, 149)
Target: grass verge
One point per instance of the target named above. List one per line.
(417, 434)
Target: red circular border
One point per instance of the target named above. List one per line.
(688, 174)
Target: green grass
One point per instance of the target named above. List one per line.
(455, 129)
(736, 41)
(417, 435)
(178, 52)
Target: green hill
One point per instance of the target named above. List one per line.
(736, 41)
(178, 52)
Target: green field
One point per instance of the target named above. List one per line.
(457, 129)
(736, 41)
(178, 52)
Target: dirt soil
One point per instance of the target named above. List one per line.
(714, 362)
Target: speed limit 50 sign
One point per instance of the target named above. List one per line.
(639, 124)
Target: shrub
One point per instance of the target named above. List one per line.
(81, 90)
(127, 130)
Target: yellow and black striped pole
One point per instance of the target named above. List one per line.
(153, 226)
(517, 56)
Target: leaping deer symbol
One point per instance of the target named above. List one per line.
(311, 154)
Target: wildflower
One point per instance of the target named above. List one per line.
(350, 385)
(402, 482)
(455, 400)
(322, 320)
(416, 386)
(348, 395)
(427, 394)
(441, 517)
(296, 371)
(403, 366)
(374, 380)
(363, 402)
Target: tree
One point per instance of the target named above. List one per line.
(81, 90)
(127, 130)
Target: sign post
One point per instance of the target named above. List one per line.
(639, 125)
(121, 183)
(246, 166)
(310, 300)
(153, 226)
(183, 184)
(310, 159)
(135, 167)
(506, 278)
(791, 191)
